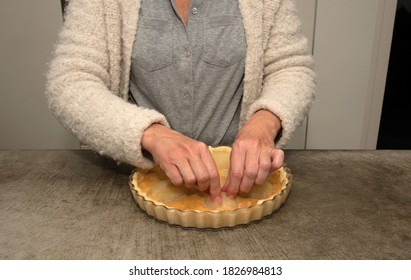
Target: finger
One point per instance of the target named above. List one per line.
(173, 174)
(264, 167)
(226, 183)
(250, 172)
(277, 159)
(187, 174)
(236, 172)
(201, 174)
(214, 178)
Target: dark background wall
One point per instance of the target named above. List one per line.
(395, 126)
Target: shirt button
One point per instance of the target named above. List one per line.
(187, 53)
(194, 11)
(187, 97)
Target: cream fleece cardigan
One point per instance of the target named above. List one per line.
(88, 78)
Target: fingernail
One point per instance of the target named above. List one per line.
(278, 162)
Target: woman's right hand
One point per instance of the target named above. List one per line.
(184, 160)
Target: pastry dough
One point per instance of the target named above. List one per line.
(179, 205)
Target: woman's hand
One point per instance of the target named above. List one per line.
(253, 154)
(185, 161)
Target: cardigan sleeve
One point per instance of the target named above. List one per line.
(289, 80)
(79, 89)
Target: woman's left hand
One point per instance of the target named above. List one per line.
(253, 154)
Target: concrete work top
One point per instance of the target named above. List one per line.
(60, 204)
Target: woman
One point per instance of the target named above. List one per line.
(144, 81)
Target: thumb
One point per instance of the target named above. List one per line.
(277, 159)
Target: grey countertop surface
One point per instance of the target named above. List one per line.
(57, 204)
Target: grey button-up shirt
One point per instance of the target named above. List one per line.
(191, 73)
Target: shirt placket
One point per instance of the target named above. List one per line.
(185, 52)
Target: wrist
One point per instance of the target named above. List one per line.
(267, 121)
(148, 138)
